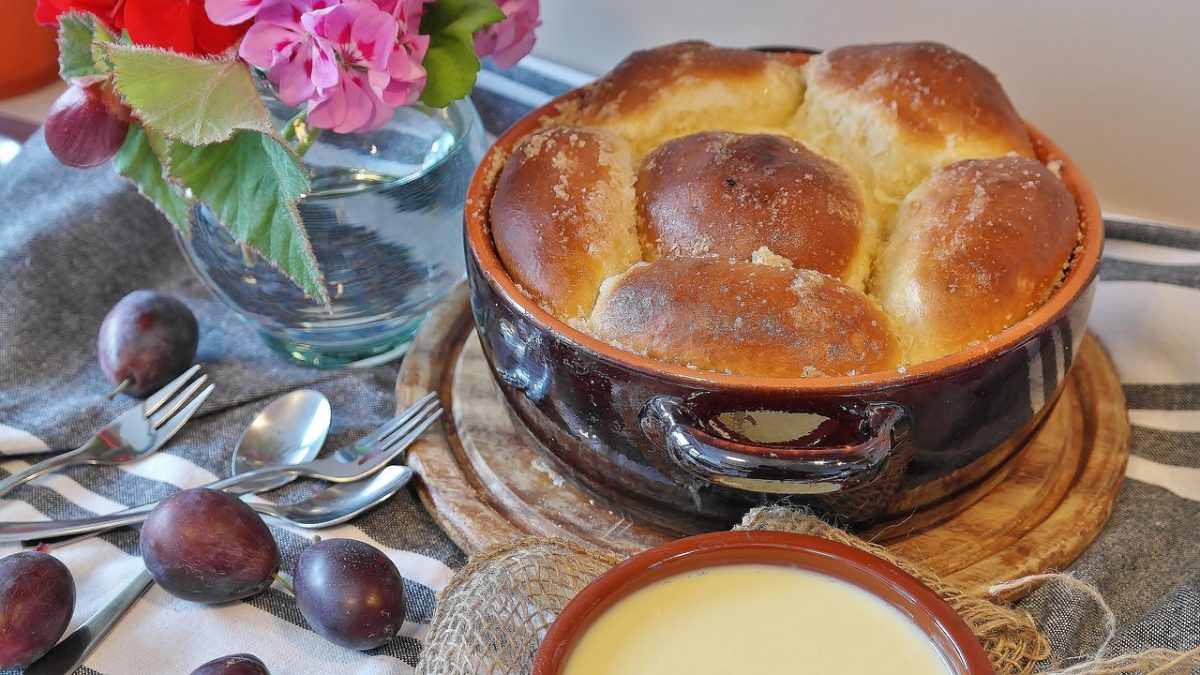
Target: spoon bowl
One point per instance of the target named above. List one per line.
(290, 430)
(341, 501)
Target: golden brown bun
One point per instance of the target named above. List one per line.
(976, 248)
(895, 112)
(730, 195)
(678, 89)
(743, 318)
(563, 216)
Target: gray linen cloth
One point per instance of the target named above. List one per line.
(73, 242)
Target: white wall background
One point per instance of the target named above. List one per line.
(1116, 83)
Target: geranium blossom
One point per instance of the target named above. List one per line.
(233, 12)
(510, 40)
(299, 64)
(361, 37)
(178, 25)
(48, 11)
(404, 63)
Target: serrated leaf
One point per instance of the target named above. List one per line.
(77, 32)
(451, 62)
(252, 182)
(140, 161)
(192, 100)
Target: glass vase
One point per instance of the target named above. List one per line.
(385, 220)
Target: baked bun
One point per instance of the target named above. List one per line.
(976, 248)
(695, 212)
(562, 216)
(678, 89)
(737, 317)
(895, 112)
(730, 195)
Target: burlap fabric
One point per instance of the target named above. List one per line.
(495, 611)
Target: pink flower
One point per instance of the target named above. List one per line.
(297, 63)
(361, 38)
(352, 62)
(404, 62)
(231, 12)
(510, 40)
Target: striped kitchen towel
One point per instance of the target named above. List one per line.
(72, 243)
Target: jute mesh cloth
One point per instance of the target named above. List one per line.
(494, 612)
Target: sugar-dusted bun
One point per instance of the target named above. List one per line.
(729, 195)
(678, 89)
(894, 112)
(735, 317)
(563, 217)
(977, 247)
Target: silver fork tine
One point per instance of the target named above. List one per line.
(398, 445)
(159, 397)
(398, 421)
(412, 416)
(175, 423)
(176, 402)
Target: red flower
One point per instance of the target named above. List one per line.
(108, 10)
(178, 25)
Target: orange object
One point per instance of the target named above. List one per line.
(28, 52)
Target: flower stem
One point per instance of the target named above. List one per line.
(310, 136)
(289, 129)
(297, 129)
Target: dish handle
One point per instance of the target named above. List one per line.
(776, 469)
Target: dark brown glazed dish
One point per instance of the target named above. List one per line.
(945, 629)
(679, 447)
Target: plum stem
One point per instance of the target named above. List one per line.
(120, 387)
(283, 582)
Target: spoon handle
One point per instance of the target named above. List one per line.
(45, 529)
(69, 654)
(82, 528)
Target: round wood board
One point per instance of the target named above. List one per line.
(484, 479)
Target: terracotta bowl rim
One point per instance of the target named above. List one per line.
(1084, 267)
(786, 548)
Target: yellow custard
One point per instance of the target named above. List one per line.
(753, 619)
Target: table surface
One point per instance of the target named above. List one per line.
(64, 267)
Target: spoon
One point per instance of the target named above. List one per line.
(340, 501)
(333, 505)
(290, 430)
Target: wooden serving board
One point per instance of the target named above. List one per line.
(485, 480)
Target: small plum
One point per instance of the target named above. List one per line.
(350, 593)
(37, 598)
(147, 339)
(234, 664)
(208, 546)
(86, 126)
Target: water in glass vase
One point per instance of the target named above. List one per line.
(385, 220)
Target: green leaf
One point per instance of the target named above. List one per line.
(195, 101)
(76, 34)
(140, 161)
(252, 182)
(451, 62)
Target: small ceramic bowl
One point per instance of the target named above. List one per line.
(932, 616)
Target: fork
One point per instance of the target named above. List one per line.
(135, 434)
(357, 460)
